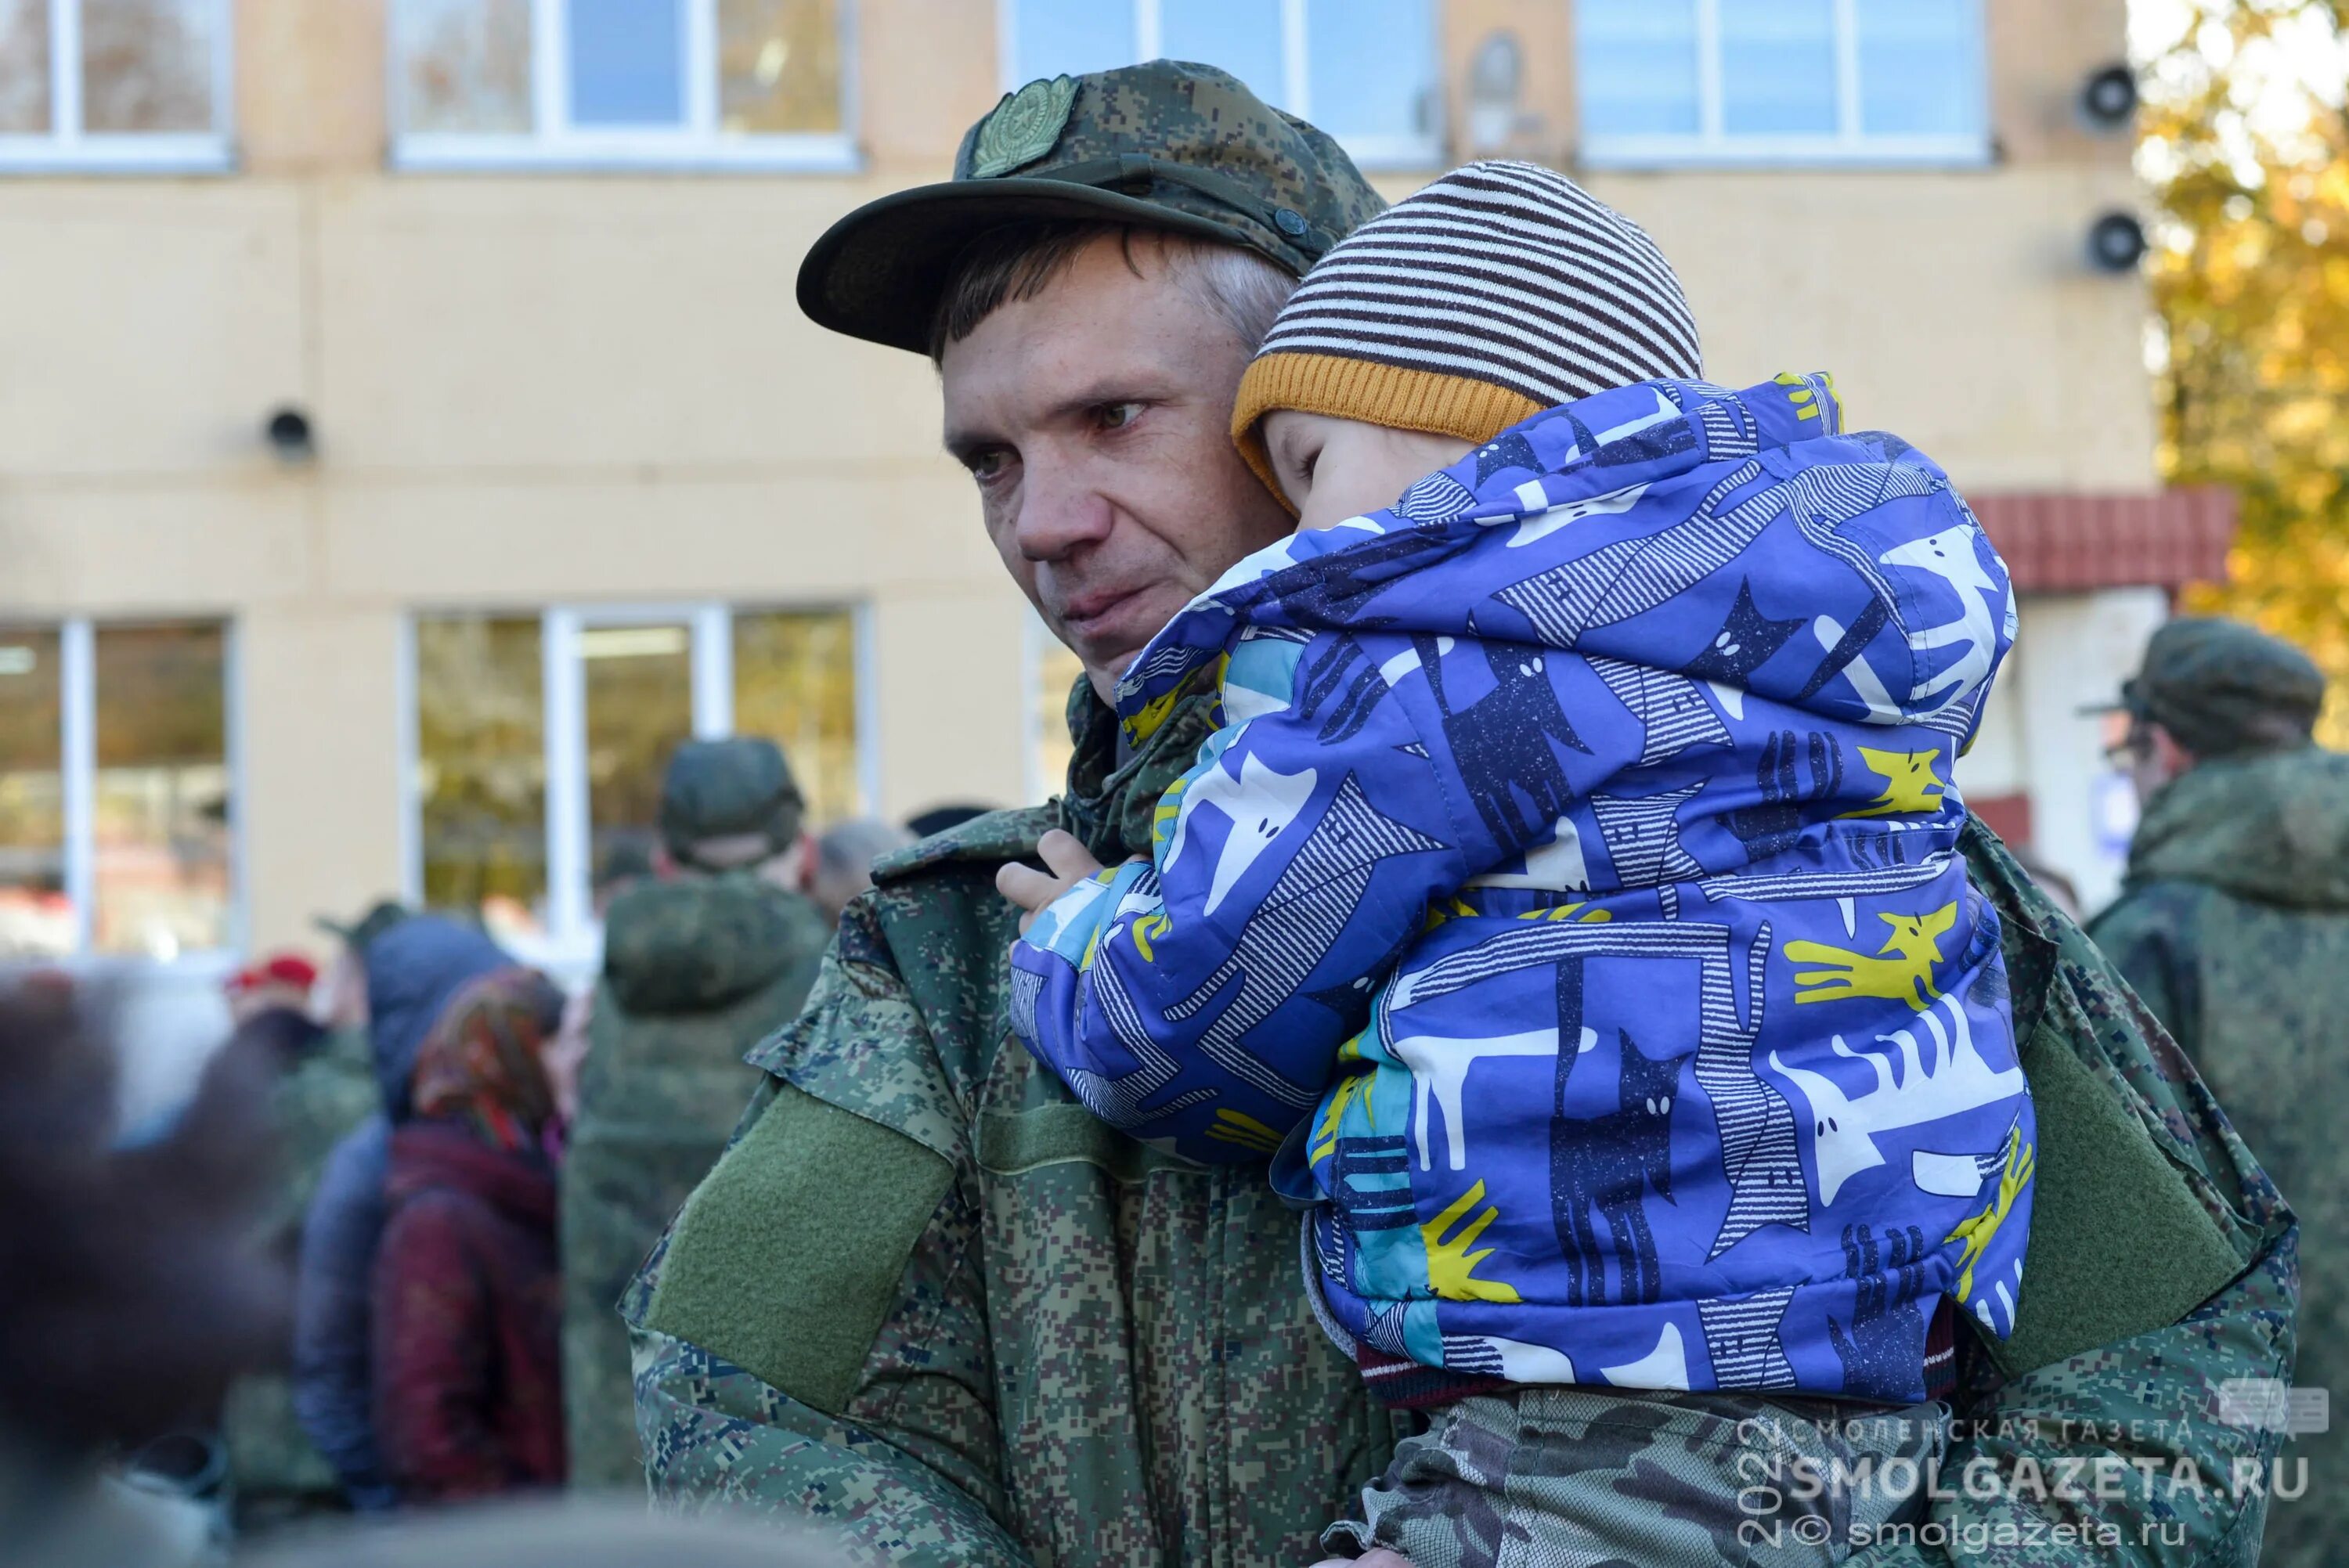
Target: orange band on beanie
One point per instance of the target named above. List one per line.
(1389, 396)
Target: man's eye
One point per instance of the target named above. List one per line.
(1118, 416)
(988, 465)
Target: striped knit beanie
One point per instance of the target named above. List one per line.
(1498, 291)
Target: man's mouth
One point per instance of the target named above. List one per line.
(1086, 613)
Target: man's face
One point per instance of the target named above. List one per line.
(2161, 760)
(2148, 754)
(346, 989)
(1095, 419)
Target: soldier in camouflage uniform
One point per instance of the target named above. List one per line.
(926, 1297)
(328, 1089)
(2234, 928)
(696, 970)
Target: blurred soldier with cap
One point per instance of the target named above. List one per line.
(2234, 926)
(696, 970)
(926, 1296)
(326, 1089)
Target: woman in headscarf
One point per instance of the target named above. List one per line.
(468, 1289)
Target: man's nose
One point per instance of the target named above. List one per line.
(1060, 510)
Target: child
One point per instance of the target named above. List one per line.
(1570, 895)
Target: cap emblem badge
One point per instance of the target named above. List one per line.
(1023, 128)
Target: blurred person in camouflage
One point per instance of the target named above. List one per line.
(845, 854)
(696, 970)
(2234, 926)
(928, 1297)
(325, 1088)
(632, 859)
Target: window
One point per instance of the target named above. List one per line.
(115, 819)
(139, 85)
(621, 83)
(1725, 81)
(1363, 70)
(539, 743)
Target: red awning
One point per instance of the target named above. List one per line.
(2069, 543)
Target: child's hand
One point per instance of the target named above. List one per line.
(1072, 864)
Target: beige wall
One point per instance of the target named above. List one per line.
(549, 388)
(1954, 309)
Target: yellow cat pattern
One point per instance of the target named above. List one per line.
(1912, 788)
(1450, 1267)
(1976, 1230)
(1899, 971)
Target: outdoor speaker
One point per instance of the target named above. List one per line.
(290, 436)
(2115, 243)
(2108, 97)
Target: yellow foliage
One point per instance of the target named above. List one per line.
(2249, 271)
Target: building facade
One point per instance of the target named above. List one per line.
(407, 433)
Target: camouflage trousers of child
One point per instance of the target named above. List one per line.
(1575, 1477)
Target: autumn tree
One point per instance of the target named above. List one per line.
(2245, 150)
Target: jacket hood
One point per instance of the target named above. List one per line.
(2272, 828)
(701, 944)
(412, 971)
(1744, 543)
(1578, 611)
(439, 1155)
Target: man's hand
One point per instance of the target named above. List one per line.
(1072, 864)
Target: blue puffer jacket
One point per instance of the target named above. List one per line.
(413, 970)
(1573, 887)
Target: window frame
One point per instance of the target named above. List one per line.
(699, 145)
(67, 147)
(1845, 147)
(572, 944)
(77, 773)
(1372, 154)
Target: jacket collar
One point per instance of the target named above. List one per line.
(1113, 795)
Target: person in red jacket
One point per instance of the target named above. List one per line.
(468, 1288)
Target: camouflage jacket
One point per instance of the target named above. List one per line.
(927, 1298)
(328, 1090)
(696, 971)
(2234, 927)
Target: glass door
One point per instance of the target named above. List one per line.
(639, 700)
(623, 687)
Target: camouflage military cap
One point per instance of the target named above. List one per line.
(2220, 687)
(380, 917)
(1166, 145)
(728, 789)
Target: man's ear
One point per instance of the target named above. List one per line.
(2173, 759)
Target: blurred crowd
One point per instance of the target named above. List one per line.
(370, 1266)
